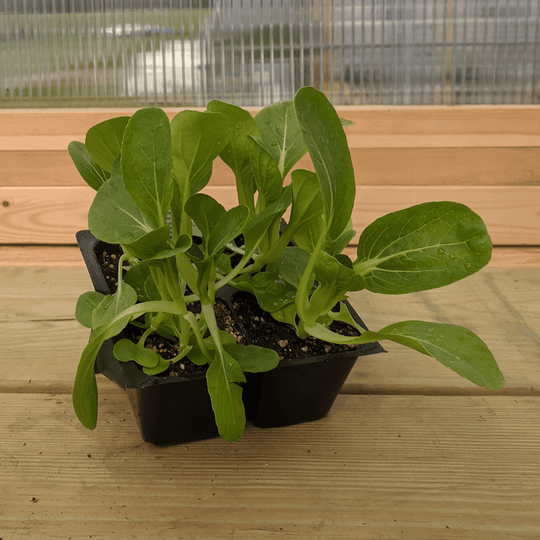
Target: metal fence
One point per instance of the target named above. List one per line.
(86, 53)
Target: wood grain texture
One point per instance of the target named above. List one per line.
(392, 467)
(389, 145)
(499, 304)
(373, 166)
(60, 255)
(40, 215)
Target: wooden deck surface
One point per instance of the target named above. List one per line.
(409, 450)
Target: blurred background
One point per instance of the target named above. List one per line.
(111, 53)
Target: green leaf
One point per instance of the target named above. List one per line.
(197, 138)
(218, 227)
(237, 152)
(84, 392)
(327, 145)
(455, 347)
(334, 281)
(112, 305)
(307, 209)
(86, 304)
(268, 179)
(272, 291)
(228, 227)
(148, 245)
(147, 162)
(422, 247)
(139, 277)
(204, 211)
(253, 359)
(226, 395)
(161, 366)
(114, 217)
(90, 171)
(281, 135)
(183, 243)
(257, 227)
(292, 263)
(104, 141)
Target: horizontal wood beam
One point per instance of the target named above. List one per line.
(52, 215)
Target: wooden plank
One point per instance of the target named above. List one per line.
(40, 215)
(389, 145)
(373, 166)
(376, 120)
(39, 331)
(395, 467)
(498, 304)
(38, 255)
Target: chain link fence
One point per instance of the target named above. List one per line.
(106, 53)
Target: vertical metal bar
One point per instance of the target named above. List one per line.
(173, 54)
(271, 45)
(535, 93)
(46, 37)
(423, 53)
(114, 49)
(242, 55)
(56, 40)
(282, 50)
(192, 51)
(524, 83)
(8, 53)
(301, 22)
(17, 30)
(474, 52)
(104, 50)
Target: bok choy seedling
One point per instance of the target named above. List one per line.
(149, 173)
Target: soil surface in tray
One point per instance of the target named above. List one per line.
(261, 328)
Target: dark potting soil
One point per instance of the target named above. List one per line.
(263, 330)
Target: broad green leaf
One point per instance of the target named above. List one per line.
(237, 152)
(229, 226)
(160, 367)
(327, 144)
(292, 263)
(104, 141)
(272, 291)
(422, 247)
(183, 243)
(268, 179)
(139, 277)
(455, 347)
(336, 246)
(90, 171)
(86, 304)
(197, 138)
(307, 210)
(226, 395)
(113, 305)
(125, 350)
(334, 280)
(205, 212)
(259, 225)
(148, 245)
(84, 392)
(147, 162)
(253, 359)
(114, 217)
(281, 135)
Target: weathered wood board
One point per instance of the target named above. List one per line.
(52, 215)
(388, 467)
(501, 305)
